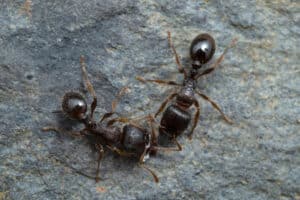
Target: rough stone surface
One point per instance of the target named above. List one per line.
(257, 85)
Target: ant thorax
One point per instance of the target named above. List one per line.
(186, 96)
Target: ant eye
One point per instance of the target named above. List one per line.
(202, 49)
(74, 105)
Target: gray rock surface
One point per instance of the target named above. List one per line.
(257, 85)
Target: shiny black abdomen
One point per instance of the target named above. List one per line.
(133, 138)
(174, 121)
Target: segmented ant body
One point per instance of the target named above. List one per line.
(177, 117)
(130, 140)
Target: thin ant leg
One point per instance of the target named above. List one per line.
(114, 104)
(219, 60)
(162, 82)
(154, 133)
(118, 119)
(135, 124)
(180, 68)
(73, 169)
(58, 112)
(215, 105)
(136, 120)
(105, 116)
(178, 148)
(86, 175)
(174, 139)
(142, 165)
(89, 85)
(196, 118)
(119, 151)
(163, 105)
(132, 121)
(99, 147)
(148, 117)
(118, 98)
(61, 131)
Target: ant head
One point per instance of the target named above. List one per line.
(202, 50)
(74, 105)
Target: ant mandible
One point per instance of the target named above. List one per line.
(176, 117)
(132, 140)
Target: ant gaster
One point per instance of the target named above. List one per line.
(176, 117)
(132, 140)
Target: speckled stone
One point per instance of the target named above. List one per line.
(257, 85)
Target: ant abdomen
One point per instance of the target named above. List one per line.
(202, 49)
(134, 138)
(74, 105)
(175, 120)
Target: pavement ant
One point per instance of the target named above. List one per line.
(131, 140)
(176, 117)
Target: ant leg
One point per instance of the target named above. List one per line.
(119, 151)
(180, 68)
(88, 176)
(215, 105)
(178, 148)
(58, 112)
(178, 144)
(114, 104)
(135, 121)
(118, 119)
(154, 133)
(99, 147)
(163, 82)
(219, 60)
(156, 179)
(174, 139)
(127, 120)
(163, 105)
(88, 84)
(106, 115)
(142, 165)
(195, 118)
(61, 131)
(64, 163)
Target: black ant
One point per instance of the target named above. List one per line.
(132, 140)
(176, 117)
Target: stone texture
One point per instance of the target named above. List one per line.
(257, 85)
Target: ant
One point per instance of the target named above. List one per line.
(132, 140)
(176, 118)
